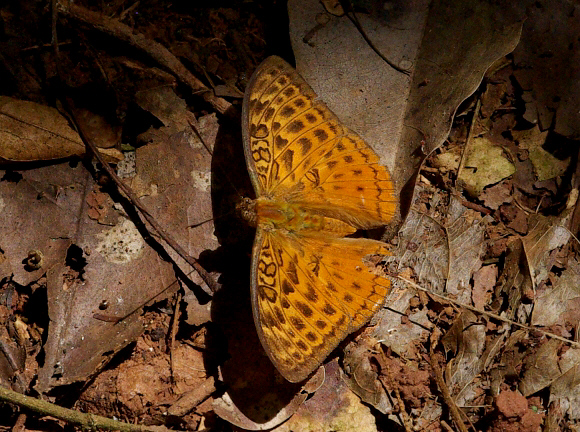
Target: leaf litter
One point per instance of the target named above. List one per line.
(490, 230)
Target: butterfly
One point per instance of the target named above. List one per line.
(316, 182)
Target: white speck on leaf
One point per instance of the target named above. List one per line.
(121, 244)
(201, 180)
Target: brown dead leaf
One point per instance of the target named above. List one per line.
(422, 246)
(110, 266)
(514, 280)
(515, 218)
(493, 98)
(31, 132)
(565, 391)
(164, 104)
(546, 234)
(361, 376)
(197, 314)
(39, 213)
(465, 231)
(510, 361)
(333, 407)
(383, 105)
(541, 367)
(496, 195)
(560, 304)
(174, 176)
(402, 334)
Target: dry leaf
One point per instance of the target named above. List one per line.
(31, 132)
(390, 111)
(465, 339)
(332, 408)
(541, 368)
(483, 282)
(559, 304)
(485, 164)
(546, 165)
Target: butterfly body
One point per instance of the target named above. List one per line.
(292, 218)
(316, 182)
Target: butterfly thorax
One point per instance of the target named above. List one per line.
(291, 217)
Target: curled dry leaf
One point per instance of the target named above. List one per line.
(466, 341)
(332, 408)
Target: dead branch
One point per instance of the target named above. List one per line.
(153, 49)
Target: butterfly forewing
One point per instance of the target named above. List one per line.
(273, 102)
(297, 148)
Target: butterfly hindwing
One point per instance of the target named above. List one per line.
(309, 293)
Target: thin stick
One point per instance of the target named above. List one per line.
(88, 421)
(172, 333)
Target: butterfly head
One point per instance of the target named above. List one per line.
(246, 207)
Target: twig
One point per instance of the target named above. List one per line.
(153, 49)
(88, 421)
(453, 410)
(473, 206)
(192, 399)
(490, 314)
(20, 423)
(469, 139)
(172, 333)
(348, 10)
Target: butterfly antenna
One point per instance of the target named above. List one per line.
(218, 164)
(197, 225)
